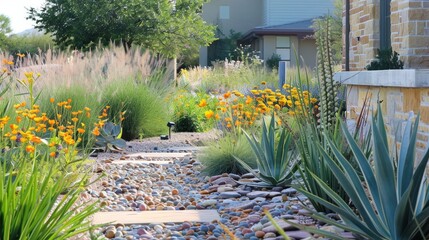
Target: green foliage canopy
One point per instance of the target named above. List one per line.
(4, 29)
(163, 26)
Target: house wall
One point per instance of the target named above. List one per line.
(276, 12)
(409, 32)
(308, 51)
(269, 46)
(243, 16)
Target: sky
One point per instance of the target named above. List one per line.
(16, 11)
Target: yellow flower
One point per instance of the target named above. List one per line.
(96, 131)
(14, 127)
(36, 139)
(7, 62)
(29, 148)
(255, 92)
(227, 95)
(37, 119)
(202, 103)
(263, 83)
(209, 114)
(28, 74)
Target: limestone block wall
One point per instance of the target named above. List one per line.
(398, 103)
(364, 32)
(409, 32)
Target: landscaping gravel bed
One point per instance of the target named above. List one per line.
(181, 186)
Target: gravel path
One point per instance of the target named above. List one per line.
(180, 185)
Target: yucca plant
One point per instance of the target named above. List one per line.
(38, 201)
(277, 164)
(391, 197)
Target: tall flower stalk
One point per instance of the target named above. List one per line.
(328, 88)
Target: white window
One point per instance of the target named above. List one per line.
(283, 47)
(224, 12)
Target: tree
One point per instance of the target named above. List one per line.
(168, 27)
(5, 29)
(29, 43)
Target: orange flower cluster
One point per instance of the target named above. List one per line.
(30, 124)
(240, 110)
(7, 66)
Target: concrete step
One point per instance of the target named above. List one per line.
(144, 217)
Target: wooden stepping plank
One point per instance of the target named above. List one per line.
(141, 162)
(159, 154)
(167, 216)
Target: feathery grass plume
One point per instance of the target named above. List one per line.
(328, 88)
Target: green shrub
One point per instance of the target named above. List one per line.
(273, 61)
(218, 157)
(194, 112)
(38, 200)
(187, 122)
(146, 112)
(392, 197)
(385, 59)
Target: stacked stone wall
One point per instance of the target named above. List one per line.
(409, 32)
(398, 104)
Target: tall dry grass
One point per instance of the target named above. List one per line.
(89, 77)
(94, 69)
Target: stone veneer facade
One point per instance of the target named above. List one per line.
(409, 32)
(403, 93)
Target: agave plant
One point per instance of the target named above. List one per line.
(276, 163)
(391, 198)
(110, 137)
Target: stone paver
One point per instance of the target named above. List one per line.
(141, 162)
(192, 148)
(166, 216)
(159, 154)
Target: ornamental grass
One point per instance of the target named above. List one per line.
(43, 169)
